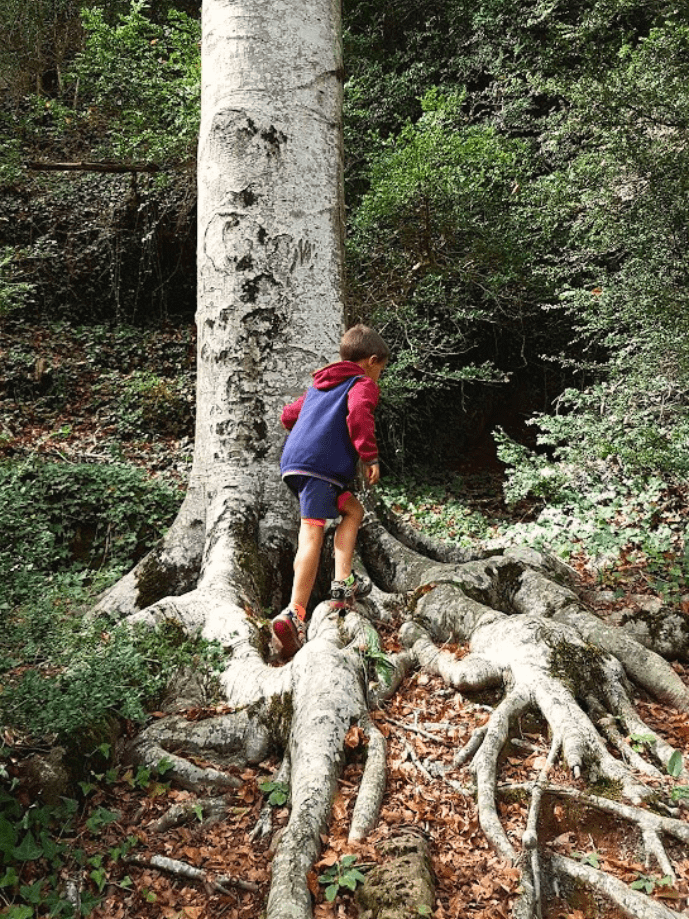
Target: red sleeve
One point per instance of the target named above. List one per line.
(362, 401)
(290, 413)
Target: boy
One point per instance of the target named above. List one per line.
(331, 428)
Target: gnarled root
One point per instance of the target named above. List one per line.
(632, 903)
(328, 696)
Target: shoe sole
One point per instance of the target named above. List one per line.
(285, 635)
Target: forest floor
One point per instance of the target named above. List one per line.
(76, 396)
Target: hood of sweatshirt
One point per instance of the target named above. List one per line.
(334, 374)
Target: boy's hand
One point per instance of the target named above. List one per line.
(372, 473)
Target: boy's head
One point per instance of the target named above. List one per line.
(361, 342)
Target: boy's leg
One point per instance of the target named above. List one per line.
(306, 560)
(346, 534)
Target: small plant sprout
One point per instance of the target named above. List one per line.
(588, 858)
(640, 741)
(648, 883)
(276, 792)
(343, 874)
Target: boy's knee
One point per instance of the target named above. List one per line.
(353, 509)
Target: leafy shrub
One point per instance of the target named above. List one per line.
(57, 518)
(139, 83)
(14, 292)
(70, 678)
(66, 532)
(149, 404)
(592, 513)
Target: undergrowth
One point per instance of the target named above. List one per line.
(67, 532)
(596, 515)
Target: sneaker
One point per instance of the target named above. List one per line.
(290, 631)
(355, 586)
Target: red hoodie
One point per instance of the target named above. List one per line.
(362, 400)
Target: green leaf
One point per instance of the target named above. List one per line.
(28, 850)
(8, 837)
(19, 912)
(32, 893)
(348, 881)
(347, 860)
(328, 876)
(331, 892)
(675, 764)
(9, 879)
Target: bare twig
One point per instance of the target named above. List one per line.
(184, 870)
(94, 167)
(418, 730)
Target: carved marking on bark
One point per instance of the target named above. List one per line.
(305, 253)
(218, 240)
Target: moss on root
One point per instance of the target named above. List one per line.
(278, 717)
(578, 666)
(403, 886)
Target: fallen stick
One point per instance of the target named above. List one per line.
(184, 870)
(418, 730)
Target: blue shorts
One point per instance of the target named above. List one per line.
(318, 500)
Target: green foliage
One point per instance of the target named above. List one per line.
(648, 883)
(343, 875)
(588, 858)
(73, 677)
(67, 531)
(377, 661)
(14, 292)
(276, 792)
(148, 404)
(521, 206)
(596, 514)
(138, 83)
(58, 517)
(640, 741)
(37, 851)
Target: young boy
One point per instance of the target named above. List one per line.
(331, 428)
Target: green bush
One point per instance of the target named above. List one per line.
(148, 404)
(66, 677)
(57, 518)
(66, 533)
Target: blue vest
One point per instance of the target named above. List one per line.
(319, 443)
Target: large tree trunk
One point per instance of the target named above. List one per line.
(269, 311)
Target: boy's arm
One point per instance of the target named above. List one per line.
(290, 413)
(361, 402)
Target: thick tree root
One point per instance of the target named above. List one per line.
(527, 633)
(328, 696)
(630, 902)
(372, 788)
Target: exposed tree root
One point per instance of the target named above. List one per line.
(200, 810)
(632, 903)
(527, 634)
(372, 787)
